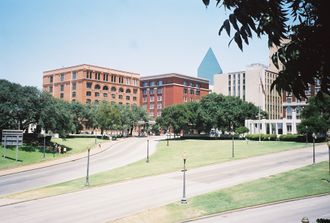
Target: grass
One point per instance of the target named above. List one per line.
(29, 154)
(298, 183)
(168, 159)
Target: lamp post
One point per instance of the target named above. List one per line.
(87, 175)
(184, 198)
(314, 137)
(147, 151)
(167, 137)
(44, 146)
(306, 134)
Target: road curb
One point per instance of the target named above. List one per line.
(256, 206)
(59, 163)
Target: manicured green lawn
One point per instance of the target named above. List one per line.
(293, 184)
(169, 158)
(29, 154)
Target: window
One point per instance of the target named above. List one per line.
(74, 75)
(105, 88)
(97, 87)
(105, 95)
(74, 86)
(113, 78)
(151, 106)
(62, 87)
(120, 96)
(152, 83)
(62, 95)
(159, 113)
(151, 91)
(128, 91)
(192, 91)
(88, 85)
(50, 88)
(159, 105)
(191, 84)
(185, 83)
(159, 98)
(89, 74)
(134, 98)
(198, 92)
(135, 91)
(97, 94)
(288, 100)
(121, 89)
(105, 77)
(51, 79)
(96, 101)
(198, 85)
(185, 99)
(128, 81)
(73, 94)
(128, 98)
(159, 91)
(97, 75)
(113, 96)
(152, 98)
(185, 91)
(145, 99)
(62, 76)
(88, 101)
(88, 93)
(135, 82)
(113, 89)
(121, 80)
(144, 84)
(144, 91)
(160, 83)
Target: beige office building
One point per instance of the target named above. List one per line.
(252, 85)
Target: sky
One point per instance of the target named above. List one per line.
(146, 37)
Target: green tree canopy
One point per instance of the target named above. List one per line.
(305, 23)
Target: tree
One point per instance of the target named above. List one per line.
(175, 117)
(305, 23)
(316, 116)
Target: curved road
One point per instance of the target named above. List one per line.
(110, 202)
(288, 212)
(119, 154)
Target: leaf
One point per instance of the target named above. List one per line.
(206, 2)
(233, 21)
(238, 40)
(225, 25)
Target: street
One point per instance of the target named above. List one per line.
(102, 204)
(288, 212)
(120, 154)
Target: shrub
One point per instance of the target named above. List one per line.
(263, 137)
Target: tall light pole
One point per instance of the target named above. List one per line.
(306, 134)
(87, 175)
(232, 143)
(44, 146)
(314, 137)
(184, 198)
(147, 151)
(167, 137)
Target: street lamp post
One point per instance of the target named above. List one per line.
(184, 198)
(44, 146)
(147, 151)
(232, 146)
(306, 134)
(314, 137)
(87, 175)
(167, 137)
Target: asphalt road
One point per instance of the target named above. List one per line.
(110, 202)
(288, 212)
(124, 152)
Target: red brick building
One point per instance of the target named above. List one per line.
(160, 91)
(92, 84)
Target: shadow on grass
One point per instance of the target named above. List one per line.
(9, 158)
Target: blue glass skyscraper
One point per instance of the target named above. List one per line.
(209, 67)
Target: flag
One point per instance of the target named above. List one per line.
(262, 87)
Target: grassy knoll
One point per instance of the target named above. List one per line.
(167, 159)
(293, 184)
(34, 154)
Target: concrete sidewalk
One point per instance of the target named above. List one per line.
(94, 150)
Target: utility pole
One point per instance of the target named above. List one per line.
(87, 175)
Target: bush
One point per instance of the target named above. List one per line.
(263, 137)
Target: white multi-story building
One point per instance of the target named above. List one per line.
(252, 85)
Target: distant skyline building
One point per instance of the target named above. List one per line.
(209, 66)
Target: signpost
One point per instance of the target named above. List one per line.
(12, 138)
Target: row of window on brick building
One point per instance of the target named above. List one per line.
(161, 83)
(97, 76)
